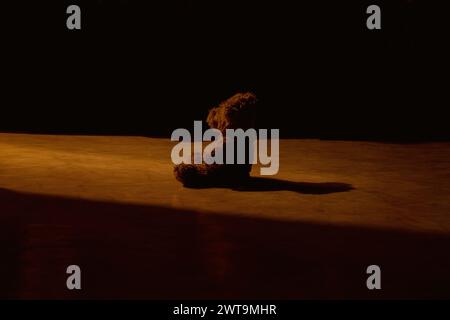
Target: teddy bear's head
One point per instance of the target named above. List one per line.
(237, 112)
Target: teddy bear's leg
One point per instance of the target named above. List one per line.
(190, 174)
(211, 175)
(203, 175)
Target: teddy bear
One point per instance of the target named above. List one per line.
(237, 112)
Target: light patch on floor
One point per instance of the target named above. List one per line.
(401, 186)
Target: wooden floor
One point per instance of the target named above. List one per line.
(112, 206)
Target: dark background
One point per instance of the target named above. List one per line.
(148, 67)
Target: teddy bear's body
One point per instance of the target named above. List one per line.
(237, 112)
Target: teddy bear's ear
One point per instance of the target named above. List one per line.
(249, 99)
(242, 101)
(212, 118)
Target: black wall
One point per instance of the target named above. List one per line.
(146, 67)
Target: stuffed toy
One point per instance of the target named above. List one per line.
(237, 112)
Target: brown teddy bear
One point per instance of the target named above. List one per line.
(237, 112)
